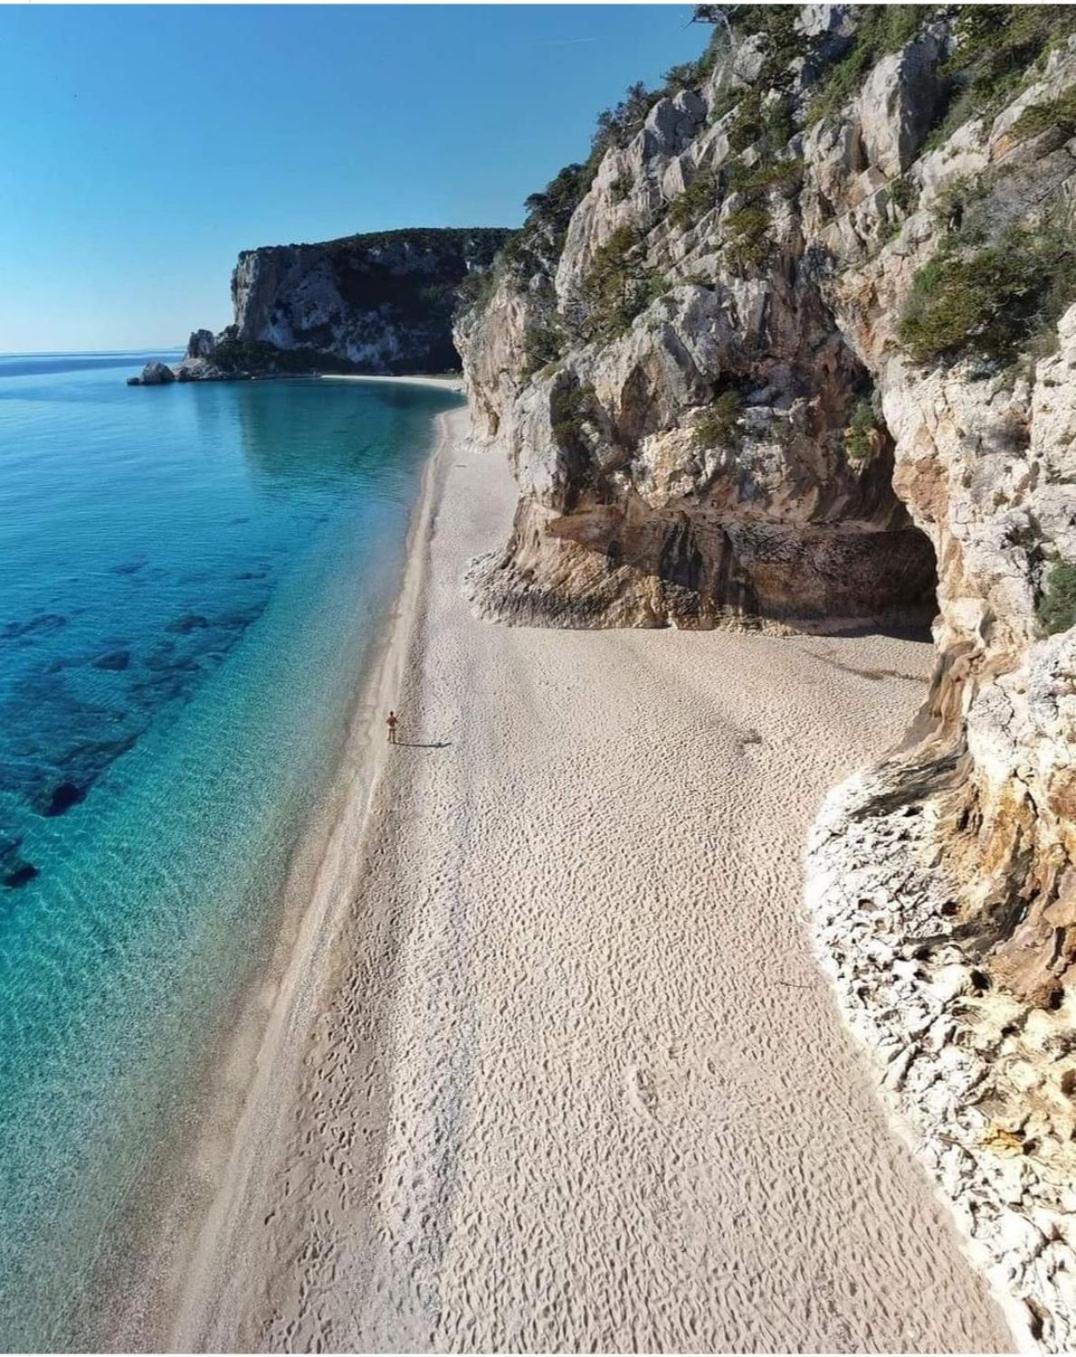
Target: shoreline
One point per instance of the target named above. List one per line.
(166, 1241)
(342, 825)
(572, 1068)
(441, 383)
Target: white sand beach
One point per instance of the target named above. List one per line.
(448, 383)
(553, 1067)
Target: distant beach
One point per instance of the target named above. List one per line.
(446, 383)
(545, 1062)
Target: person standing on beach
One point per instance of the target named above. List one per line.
(392, 724)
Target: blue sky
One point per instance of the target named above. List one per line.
(144, 147)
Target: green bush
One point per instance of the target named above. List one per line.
(476, 289)
(996, 48)
(620, 187)
(569, 408)
(991, 300)
(784, 41)
(719, 426)
(691, 74)
(764, 124)
(862, 435)
(746, 238)
(780, 174)
(881, 29)
(618, 286)
(902, 194)
(963, 207)
(543, 343)
(1059, 113)
(1057, 605)
(697, 199)
(541, 238)
(617, 126)
(724, 103)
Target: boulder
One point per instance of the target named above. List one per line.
(201, 344)
(157, 374)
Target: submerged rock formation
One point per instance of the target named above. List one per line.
(377, 303)
(795, 347)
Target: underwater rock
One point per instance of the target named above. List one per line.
(129, 567)
(115, 661)
(187, 623)
(42, 624)
(20, 875)
(64, 796)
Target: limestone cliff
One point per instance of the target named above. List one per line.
(378, 303)
(795, 347)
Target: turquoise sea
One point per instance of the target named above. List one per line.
(190, 579)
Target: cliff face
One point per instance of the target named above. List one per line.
(379, 303)
(796, 347)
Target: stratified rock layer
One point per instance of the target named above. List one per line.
(706, 374)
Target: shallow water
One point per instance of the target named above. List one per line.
(190, 578)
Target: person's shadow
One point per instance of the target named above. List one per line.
(418, 744)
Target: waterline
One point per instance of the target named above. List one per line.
(158, 893)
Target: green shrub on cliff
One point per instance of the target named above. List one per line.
(543, 343)
(1057, 605)
(719, 425)
(697, 199)
(783, 175)
(570, 405)
(784, 40)
(991, 300)
(862, 436)
(540, 240)
(997, 47)
(746, 238)
(476, 290)
(881, 29)
(1059, 113)
(617, 126)
(620, 188)
(618, 286)
(765, 123)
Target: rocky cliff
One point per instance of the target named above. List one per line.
(795, 347)
(379, 303)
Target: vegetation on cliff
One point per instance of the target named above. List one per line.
(862, 435)
(881, 29)
(997, 49)
(719, 425)
(992, 299)
(240, 356)
(618, 287)
(379, 302)
(1057, 605)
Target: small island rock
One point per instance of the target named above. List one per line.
(157, 374)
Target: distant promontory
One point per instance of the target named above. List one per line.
(379, 303)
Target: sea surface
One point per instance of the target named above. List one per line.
(191, 578)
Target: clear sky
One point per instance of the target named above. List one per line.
(143, 147)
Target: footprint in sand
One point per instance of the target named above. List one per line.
(641, 1092)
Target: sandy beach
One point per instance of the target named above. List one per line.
(552, 1066)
